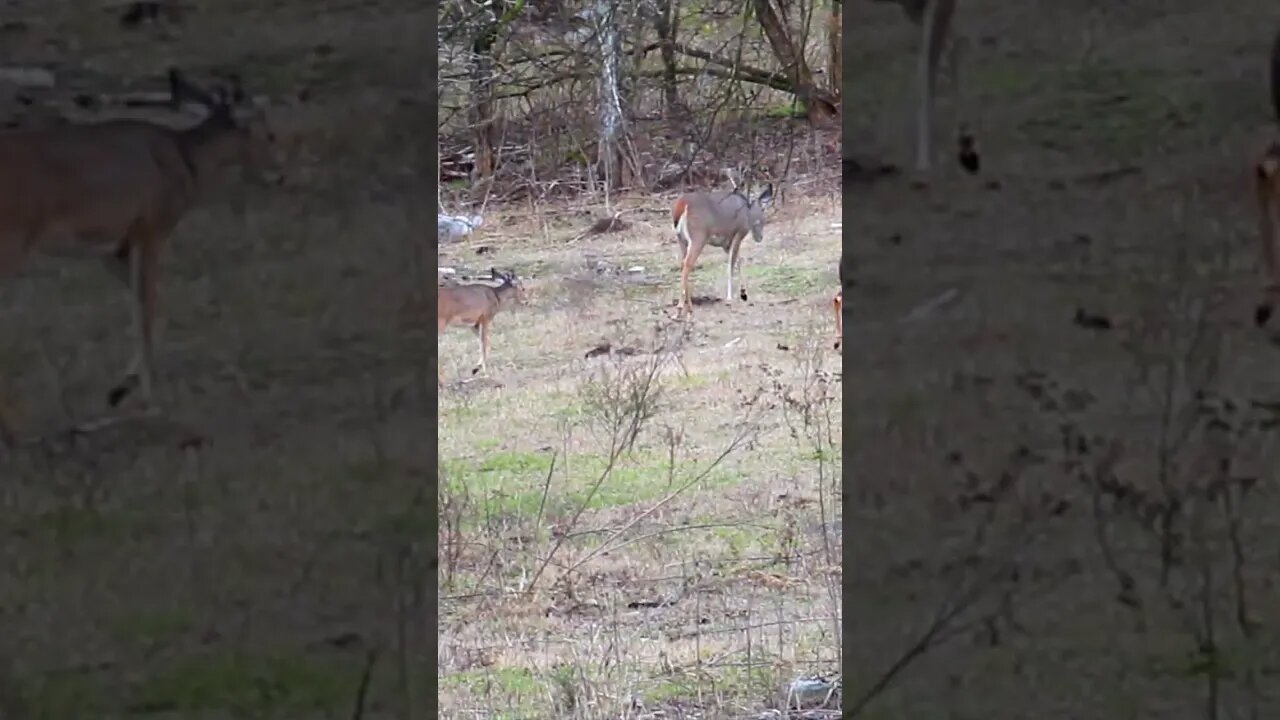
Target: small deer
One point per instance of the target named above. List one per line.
(475, 305)
(116, 190)
(719, 219)
(838, 303)
(1267, 185)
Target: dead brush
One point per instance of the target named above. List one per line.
(626, 392)
(1189, 495)
(454, 505)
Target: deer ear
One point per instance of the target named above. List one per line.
(765, 197)
(1268, 166)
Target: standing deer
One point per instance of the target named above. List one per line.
(838, 303)
(1267, 187)
(719, 219)
(475, 305)
(115, 190)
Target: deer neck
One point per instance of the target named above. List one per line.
(504, 293)
(207, 145)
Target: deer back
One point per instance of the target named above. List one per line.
(84, 188)
(472, 303)
(721, 217)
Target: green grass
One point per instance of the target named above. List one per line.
(248, 686)
(69, 526)
(66, 697)
(1120, 112)
(515, 693)
(512, 482)
(245, 686)
(782, 280)
(143, 630)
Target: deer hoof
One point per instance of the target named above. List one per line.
(743, 294)
(121, 391)
(1261, 315)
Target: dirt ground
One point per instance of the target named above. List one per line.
(243, 555)
(1018, 578)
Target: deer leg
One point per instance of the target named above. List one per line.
(934, 26)
(484, 346)
(441, 324)
(953, 80)
(735, 265)
(686, 269)
(728, 276)
(145, 267)
(838, 303)
(136, 265)
(924, 90)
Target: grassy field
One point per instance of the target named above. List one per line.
(1045, 519)
(588, 575)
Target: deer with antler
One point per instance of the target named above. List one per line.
(1267, 188)
(116, 190)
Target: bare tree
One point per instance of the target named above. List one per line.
(607, 18)
(834, 38)
(821, 105)
(664, 23)
(581, 96)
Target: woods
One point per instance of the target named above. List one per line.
(560, 97)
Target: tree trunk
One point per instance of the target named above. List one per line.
(609, 93)
(483, 123)
(834, 59)
(664, 22)
(820, 105)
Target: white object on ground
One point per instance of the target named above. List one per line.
(456, 227)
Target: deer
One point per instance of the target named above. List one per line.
(721, 219)
(476, 304)
(116, 190)
(837, 302)
(1267, 187)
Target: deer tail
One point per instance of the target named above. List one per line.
(677, 212)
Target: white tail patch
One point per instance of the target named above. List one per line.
(682, 227)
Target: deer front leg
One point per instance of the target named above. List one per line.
(934, 27)
(441, 324)
(728, 275)
(838, 303)
(137, 265)
(686, 269)
(1268, 206)
(735, 265)
(482, 329)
